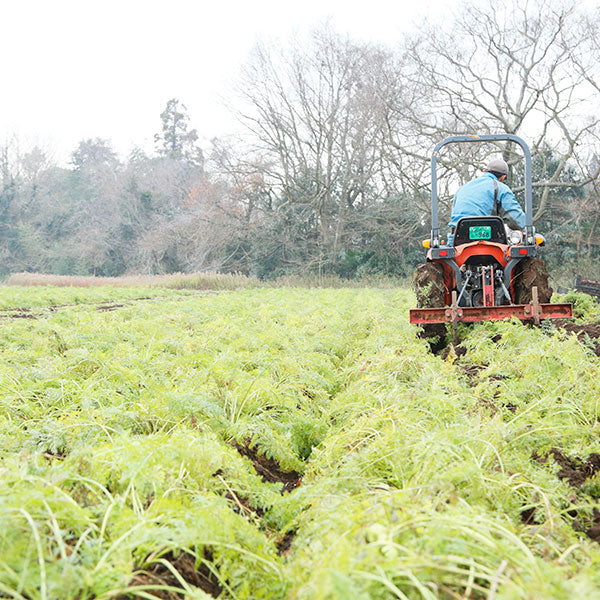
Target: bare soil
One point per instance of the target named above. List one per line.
(472, 371)
(17, 313)
(589, 334)
(268, 468)
(577, 471)
(242, 506)
(591, 528)
(185, 564)
(103, 307)
(39, 311)
(528, 516)
(574, 470)
(285, 543)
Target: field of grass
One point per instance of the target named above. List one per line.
(197, 281)
(201, 281)
(290, 443)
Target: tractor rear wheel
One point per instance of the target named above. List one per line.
(430, 290)
(429, 285)
(528, 273)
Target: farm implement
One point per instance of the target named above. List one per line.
(587, 286)
(487, 274)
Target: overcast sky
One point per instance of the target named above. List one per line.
(75, 69)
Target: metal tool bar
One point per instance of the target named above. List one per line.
(474, 314)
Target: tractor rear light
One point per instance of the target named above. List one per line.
(443, 252)
(426, 243)
(519, 251)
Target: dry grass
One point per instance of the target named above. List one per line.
(204, 281)
(195, 281)
(335, 281)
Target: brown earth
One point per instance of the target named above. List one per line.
(472, 371)
(593, 531)
(103, 307)
(285, 543)
(17, 313)
(527, 516)
(577, 471)
(29, 313)
(574, 470)
(588, 334)
(459, 350)
(159, 575)
(268, 468)
(242, 506)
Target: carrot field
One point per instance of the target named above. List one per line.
(292, 443)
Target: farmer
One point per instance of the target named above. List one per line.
(485, 196)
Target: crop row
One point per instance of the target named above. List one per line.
(291, 444)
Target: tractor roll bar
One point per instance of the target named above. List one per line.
(435, 229)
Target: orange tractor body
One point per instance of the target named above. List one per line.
(484, 275)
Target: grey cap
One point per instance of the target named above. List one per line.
(497, 165)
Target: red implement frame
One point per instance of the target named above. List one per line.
(488, 286)
(473, 314)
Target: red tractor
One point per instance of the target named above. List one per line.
(484, 276)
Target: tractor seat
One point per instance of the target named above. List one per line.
(475, 229)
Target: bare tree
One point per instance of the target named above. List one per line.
(514, 68)
(316, 113)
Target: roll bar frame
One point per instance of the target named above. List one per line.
(506, 137)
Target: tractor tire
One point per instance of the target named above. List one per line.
(528, 273)
(430, 289)
(429, 285)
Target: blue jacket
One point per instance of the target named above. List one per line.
(476, 199)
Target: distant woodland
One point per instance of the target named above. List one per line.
(331, 170)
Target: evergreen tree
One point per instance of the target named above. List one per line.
(176, 141)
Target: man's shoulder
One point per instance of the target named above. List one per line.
(482, 179)
(487, 178)
(503, 188)
(493, 180)
(485, 182)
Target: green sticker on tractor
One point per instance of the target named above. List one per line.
(480, 232)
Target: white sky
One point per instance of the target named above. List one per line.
(75, 69)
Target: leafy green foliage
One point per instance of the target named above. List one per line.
(15, 297)
(585, 306)
(422, 477)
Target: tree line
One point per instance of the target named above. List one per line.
(330, 171)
